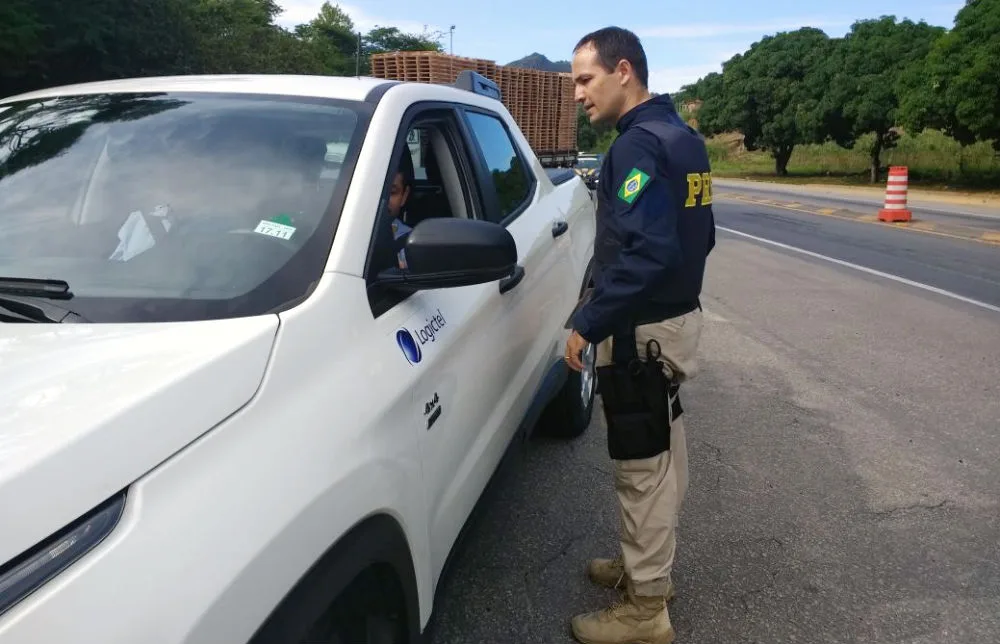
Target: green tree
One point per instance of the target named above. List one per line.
(56, 42)
(383, 39)
(586, 136)
(336, 39)
(769, 95)
(21, 43)
(386, 39)
(240, 37)
(863, 78)
(605, 139)
(332, 18)
(708, 90)
(590, 137)
(333, 38)
(957, 89)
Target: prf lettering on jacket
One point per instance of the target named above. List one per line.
(699, 184)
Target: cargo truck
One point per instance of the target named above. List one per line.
(541, 103)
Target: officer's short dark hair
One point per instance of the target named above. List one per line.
(614, 44)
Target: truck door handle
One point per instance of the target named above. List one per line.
(559, 227)
(508, 283)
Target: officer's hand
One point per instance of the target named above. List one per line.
(574, 347)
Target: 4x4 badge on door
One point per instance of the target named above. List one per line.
(432, 409)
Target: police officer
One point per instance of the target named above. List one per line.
(655, 229)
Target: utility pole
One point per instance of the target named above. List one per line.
(451, 40)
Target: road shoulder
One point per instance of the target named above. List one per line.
(985, 231)
(915, 195)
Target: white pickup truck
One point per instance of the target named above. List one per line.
(226, 413)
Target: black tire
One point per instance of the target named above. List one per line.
(361, 591)
(363, 614)
(568, 414)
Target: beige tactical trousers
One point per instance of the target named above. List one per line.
(650, 491)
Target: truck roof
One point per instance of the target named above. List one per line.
(344, 87)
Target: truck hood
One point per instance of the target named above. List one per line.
(86, 409)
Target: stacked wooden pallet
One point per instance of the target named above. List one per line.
(541, 102)
(428, 66)
(567, 115)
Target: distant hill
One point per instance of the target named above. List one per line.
(540, 62)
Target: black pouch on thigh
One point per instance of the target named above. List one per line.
(636, 398)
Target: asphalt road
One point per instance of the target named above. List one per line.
(845, 463)
(968, 268)
(980, 216)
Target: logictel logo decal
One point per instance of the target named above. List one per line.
(409, 346)
(411, 343)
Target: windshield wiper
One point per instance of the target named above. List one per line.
(25, 300)
(26, 309)
(52, 289)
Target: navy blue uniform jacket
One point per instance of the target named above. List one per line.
(655, 226)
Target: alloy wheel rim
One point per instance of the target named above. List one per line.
(587, 376)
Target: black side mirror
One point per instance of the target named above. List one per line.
(447, 252)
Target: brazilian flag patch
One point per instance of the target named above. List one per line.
(634, 184)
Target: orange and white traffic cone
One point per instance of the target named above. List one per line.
(895, 196)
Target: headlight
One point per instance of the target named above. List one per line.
(32, 569)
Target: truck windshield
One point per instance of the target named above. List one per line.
(159, 207)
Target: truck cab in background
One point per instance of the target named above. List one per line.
(588, 166)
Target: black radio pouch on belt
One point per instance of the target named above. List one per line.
(636, 396)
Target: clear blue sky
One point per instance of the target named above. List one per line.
(683, 41)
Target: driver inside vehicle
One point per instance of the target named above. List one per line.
(399, 193)
(394, 223)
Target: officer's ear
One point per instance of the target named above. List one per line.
(624, 71)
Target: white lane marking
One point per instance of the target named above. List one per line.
(865, 269)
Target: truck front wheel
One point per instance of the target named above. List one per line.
(361, 591)
(369, 611)
(568, 414)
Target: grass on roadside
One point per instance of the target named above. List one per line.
(934, 160)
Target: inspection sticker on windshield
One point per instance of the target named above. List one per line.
(274, 229)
